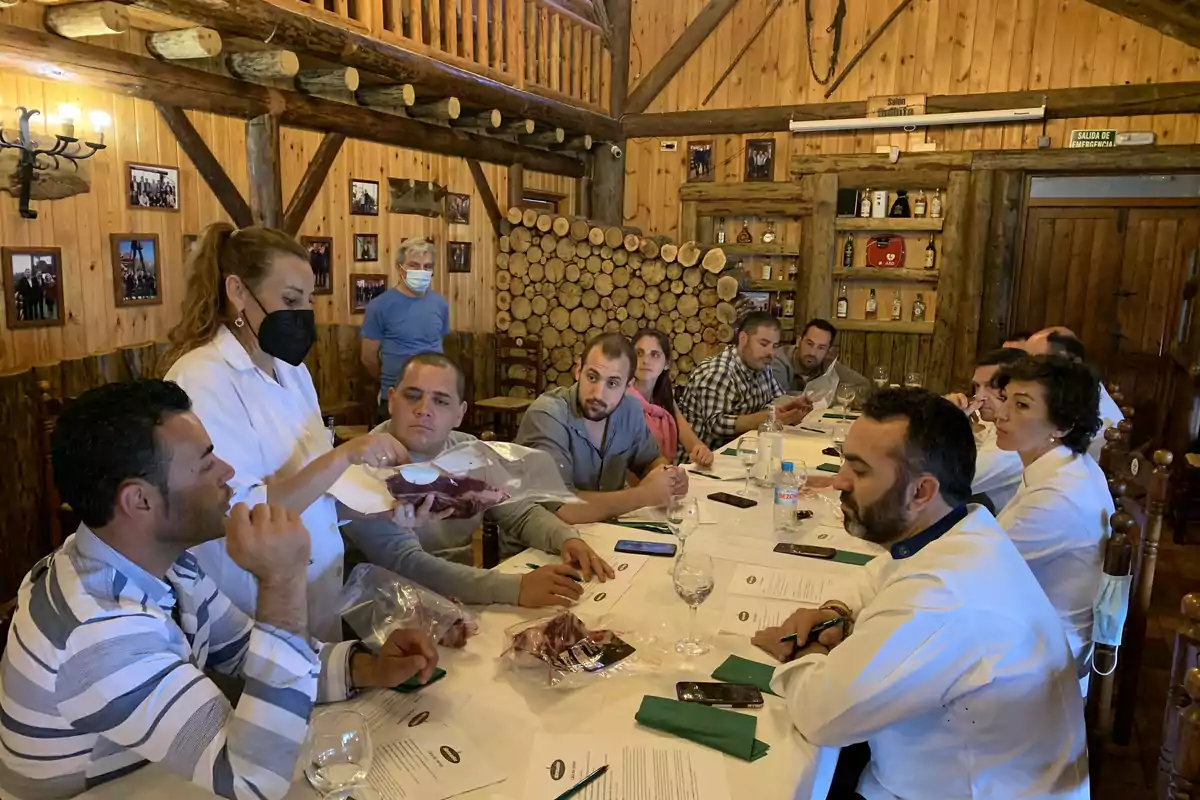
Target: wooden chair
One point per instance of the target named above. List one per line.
(519, 365)
(61, 519)
(1181, 729)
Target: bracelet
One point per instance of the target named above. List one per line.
(843, 611)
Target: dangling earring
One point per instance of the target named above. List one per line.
(239, 322)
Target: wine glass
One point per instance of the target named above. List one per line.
(914, 380)
(748, 452)
(840, 429)
(338, 750)
(693, 583)
(880, 377)
(355, 791)
(683, 513)
(845, 397)
(800, 470)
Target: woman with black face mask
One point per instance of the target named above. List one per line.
(239, 354)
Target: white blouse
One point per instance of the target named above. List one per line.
(264, 428)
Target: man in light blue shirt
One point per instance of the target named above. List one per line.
(405, 320)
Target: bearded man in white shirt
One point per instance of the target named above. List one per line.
(955, 669)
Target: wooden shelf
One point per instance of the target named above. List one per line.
(758, 249)
(879, 274)
(889, 224)
(768, 286)
(882, 326)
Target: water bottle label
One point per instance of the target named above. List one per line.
(786, 495)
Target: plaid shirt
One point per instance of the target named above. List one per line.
(722, 389)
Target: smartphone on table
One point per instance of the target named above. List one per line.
(732, 500)
(666, 549)
(726, 695)
(806, 550)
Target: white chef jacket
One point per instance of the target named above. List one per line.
(264, 428)
(1110, 414)
(1058, 520)
(957, 674)
(997, 472)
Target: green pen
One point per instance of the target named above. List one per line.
(815, 631)
(539, 566)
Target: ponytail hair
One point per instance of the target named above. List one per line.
(223, 251)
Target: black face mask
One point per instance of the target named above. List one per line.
(287, 334)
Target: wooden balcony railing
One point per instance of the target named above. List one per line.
(538, 45)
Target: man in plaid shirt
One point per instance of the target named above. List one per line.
(728, 394)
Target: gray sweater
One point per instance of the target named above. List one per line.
(438, 554)
(783, 365)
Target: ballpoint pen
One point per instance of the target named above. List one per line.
(577, 788)
(815, 631)
(539, 566)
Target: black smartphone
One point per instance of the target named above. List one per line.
(645, 548)
(733, 500)
(806, 550)
(728, 695)
(803, 514)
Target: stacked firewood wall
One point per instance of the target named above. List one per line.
(565, 280)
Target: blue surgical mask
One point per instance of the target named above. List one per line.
(418, 279)
(1110, 608)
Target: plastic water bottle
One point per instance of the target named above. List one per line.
(787, 490)
(770, 448)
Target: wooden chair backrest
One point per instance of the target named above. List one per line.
(519, 363)
(1179, 757)
(60, 519)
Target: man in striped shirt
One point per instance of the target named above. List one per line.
(104, 668)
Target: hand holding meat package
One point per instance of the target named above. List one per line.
(560, 652)
(474, 476)
(375, 602)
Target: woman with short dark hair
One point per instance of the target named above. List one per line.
(1059, 517)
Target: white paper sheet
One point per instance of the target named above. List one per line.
(597, 598)
(362, 491)
(795, 585)
(392, 715)
(746, 616)
(638, 769)
(432, 763)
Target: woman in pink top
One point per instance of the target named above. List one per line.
(652, 387)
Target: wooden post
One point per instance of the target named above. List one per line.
(446, 109)
(327, 81)
(185, 43)
(87, 19)
(401, 95)
(1000, 261)
(516, 186)
(1186, 653)
(821, 244)
(485, 194)
(262, 159)
(608, 159)
(264, 64)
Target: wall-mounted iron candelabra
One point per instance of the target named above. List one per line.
(67, 146)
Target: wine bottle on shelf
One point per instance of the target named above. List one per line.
(900, 205)
(872, 306)
(935, 206)
(720, 230)
(769, 234)
(843, 303)
(897, 307)
(766, 270)
(789, 307)
(744, 236)
(864, 204)
(918, 309)
(930, 254)
(920, 206)
(848, 252)
(777, 310)
(793, 269)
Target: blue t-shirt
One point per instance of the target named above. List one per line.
(404, 326)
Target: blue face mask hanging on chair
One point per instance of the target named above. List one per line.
(1110, 608)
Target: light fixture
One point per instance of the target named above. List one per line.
(918, 120)
(32, 157)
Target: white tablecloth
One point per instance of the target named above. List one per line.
(503, 712)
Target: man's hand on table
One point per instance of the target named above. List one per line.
(578, 554)
(800, 623)
(661, 484)
(549, 586)
(700, 455)
(793, 411)
(405, 653)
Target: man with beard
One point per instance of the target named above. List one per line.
(795, 365)
(597, 434)
(106, 665)
(952, 664)
(997, 472)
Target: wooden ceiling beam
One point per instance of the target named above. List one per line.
(677, 55)
(49, 57)
(485, 194)
(211, 171)
(260, 20)
(1091, 101)
(266, 176)
(1179, 19)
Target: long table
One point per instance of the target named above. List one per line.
(503, 712)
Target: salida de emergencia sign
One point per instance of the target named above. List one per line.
(1093, 138)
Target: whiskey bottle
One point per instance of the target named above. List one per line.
(918, 309)
(769, 234)
(848, 252)
(900, 205)
(920, 206)
(897, 307)
(872, 306)
(744, 236)
(930, 254)
(789, 307)
(935, 207)
(766, 271)
(793, 270)
(843, 303)
(864, 205)
(720, 230)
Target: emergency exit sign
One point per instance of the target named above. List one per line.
(1093, 138)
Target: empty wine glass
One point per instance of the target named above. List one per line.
(748, 452)
(840, 429)
(800, 471)
(914, 380)
(880, 377)
(683, 513)
(845, 396)
(338, 750)
(693, 583)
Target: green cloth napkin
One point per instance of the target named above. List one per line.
(829, 467)
(727, 731)
(736, 669)
(411, 684)
(848, 557)
(732, 451)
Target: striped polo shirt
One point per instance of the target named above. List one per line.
(103, 673)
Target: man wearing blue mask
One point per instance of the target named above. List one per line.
(405, 320)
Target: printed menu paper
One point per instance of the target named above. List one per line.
(597, 598)
(432, 763)
(746, 616)
(798, 586)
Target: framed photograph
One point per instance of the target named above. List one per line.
(760, 160)
(458, 256)
(701, 161)
(320, 257)
(190, 240)
(32, 286)
(365, 288)
(458, 209)
(136, 275)
(366, 247)
(364, 198)
(152, 186)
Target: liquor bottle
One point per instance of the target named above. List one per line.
(778, 309)
(872, 306)
(930, 254)
(793, 270)
(900, 206)
(897, 307)
(864, 205)
(720, 230)
(843, 303)
(767, 271)
(920, 206)
(769, 234)
(744, 236)
(848, 252)
(935, 207)
(918, 311)
(789, 307)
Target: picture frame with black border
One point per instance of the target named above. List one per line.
(364, 198)
(151, 187)
(33, 288)
(458, 257)
(458, 209)
(701, 161)
(760, 160)
(366, 247)
(365, 287)
(320, 258)
(136, 269)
